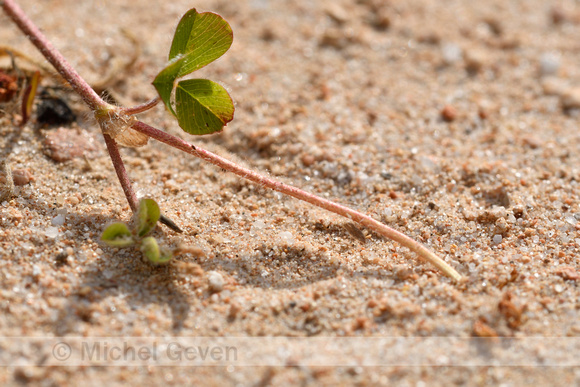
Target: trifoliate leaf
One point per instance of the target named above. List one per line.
(200, 38)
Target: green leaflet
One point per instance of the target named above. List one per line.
(154, 254)
(147, 216)
(203, 106)
(117, 235)
(200, 38)
(165, 80)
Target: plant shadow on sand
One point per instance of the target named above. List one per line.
(126, 274)
(276, 265)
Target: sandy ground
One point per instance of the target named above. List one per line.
(455, 122)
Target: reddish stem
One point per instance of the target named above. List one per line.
(126, 183)
(349, 213)
(141, 108)
(88, 95)
(121, 172)
(52, 55)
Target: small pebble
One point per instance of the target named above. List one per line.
(570, 99)
(475, 60)
(307, 159)
(498, 212)
(22, 176)
(257, 227)
(497, 238)
(58, 220)
(51, 232)
(532, 141)
(60, 200)
(430, 37)
(403, 272)
(451, 53)
(549, 63)
(494, 25)
(553, 86)
(66, 144)
(568, 273)
(449, 113)
(382, 20)
(73, 200)
(559, 15)
(337, 13)
(216, 281)
(333, 37)
(286, 237)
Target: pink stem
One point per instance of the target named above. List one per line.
(126, 183)
(141, 108)
(121, 172)
(349, 213)
(52, 55)
(87, 93)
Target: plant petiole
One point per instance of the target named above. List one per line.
(141, 108)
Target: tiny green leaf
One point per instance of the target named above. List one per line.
(147, 216)
(150, 249)
(200, 38)
(165, 80)
(202, 106)
(117, 235)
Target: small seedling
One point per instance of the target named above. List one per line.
(146, 217)
(201, 107)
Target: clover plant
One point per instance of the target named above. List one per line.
(201, 107)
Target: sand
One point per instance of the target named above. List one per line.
(453, 122)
